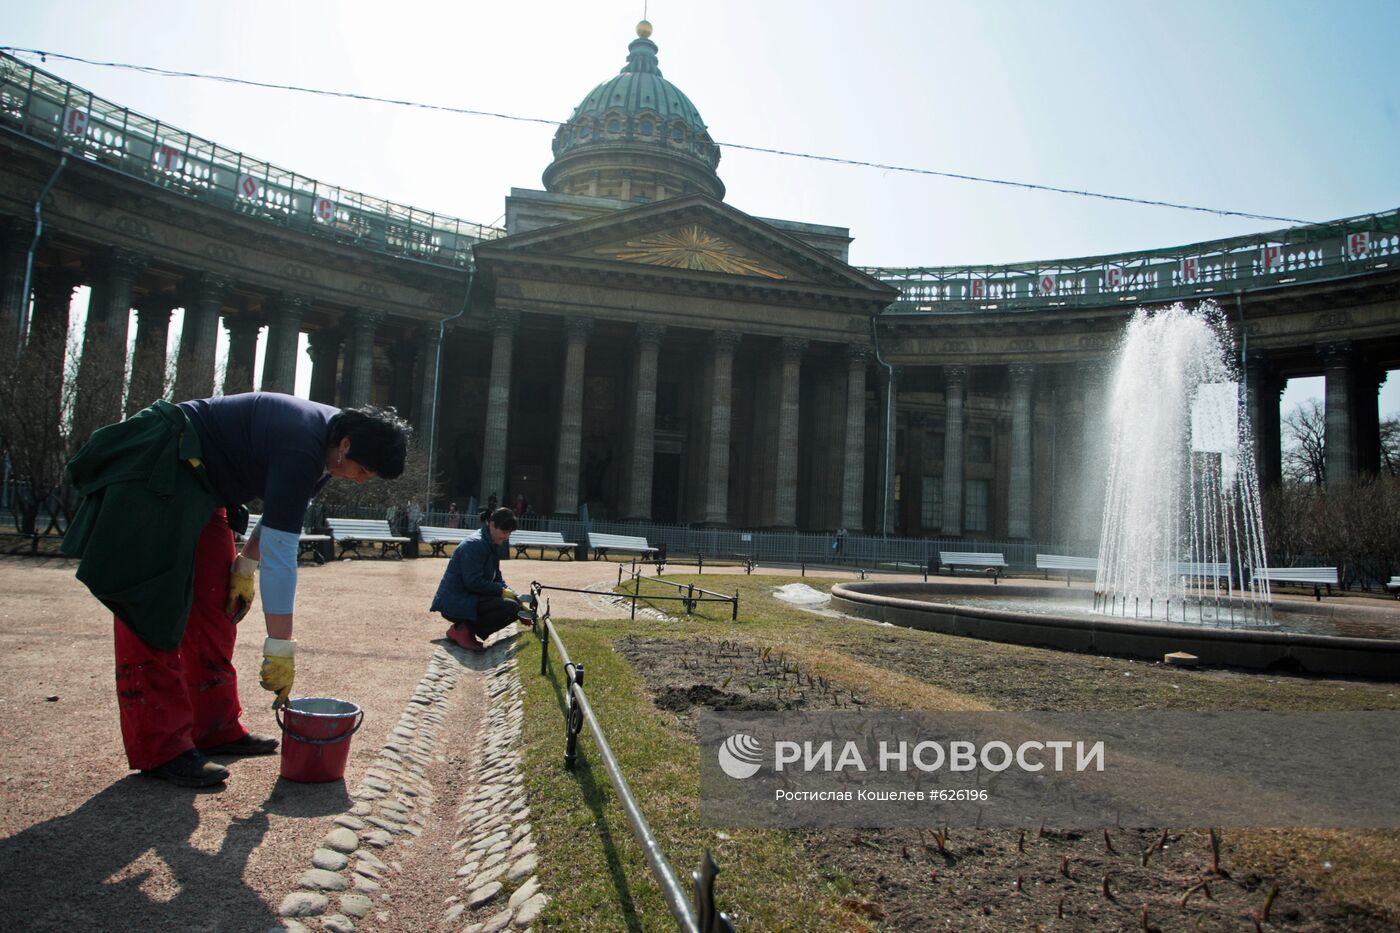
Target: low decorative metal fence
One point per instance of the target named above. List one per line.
(697, 915)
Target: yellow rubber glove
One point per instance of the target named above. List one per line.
(240, 588)
(279, 668)
(509, 593)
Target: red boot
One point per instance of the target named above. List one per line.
(463, 636)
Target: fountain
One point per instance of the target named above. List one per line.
(1181, 538)
(1182, 528)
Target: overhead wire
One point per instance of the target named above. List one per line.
(44, 55)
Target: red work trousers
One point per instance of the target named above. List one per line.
(172, 701)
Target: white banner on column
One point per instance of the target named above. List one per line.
(1358, 245)
(323, 209)
(979, 288)
(75, 121)
(167, 157)
(1190, 269)
(1113, 278)
(1272, 257)
(249, 187)
(1047, 284)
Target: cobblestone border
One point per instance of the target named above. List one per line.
(395, 800)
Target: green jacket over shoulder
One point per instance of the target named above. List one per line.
(145, 500)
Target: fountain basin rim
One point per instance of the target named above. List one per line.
(1241, 647)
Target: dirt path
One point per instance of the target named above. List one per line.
(84, 839)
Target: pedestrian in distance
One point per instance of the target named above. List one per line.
(161, 496)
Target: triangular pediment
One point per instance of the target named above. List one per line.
(692, 246)
(694, 235)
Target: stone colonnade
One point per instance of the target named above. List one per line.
(122, 281)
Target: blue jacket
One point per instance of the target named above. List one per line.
(474, 571)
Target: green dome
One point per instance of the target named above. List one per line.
(639, 117)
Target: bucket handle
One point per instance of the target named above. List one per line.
(310, 741)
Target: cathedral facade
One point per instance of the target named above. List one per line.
(632, 342)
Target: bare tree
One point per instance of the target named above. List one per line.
(1390, 446)
(37, 396)
(1304, 444)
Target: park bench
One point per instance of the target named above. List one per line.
(520, 540)
(350, 533)
(1199, 570)
(601, 544)
(986, 562)
(1316, 577)
(1394, 586)
(1059, 562)
(307, 545)
(438, 537)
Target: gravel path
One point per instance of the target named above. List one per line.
(83, 839)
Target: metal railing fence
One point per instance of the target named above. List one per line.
(1310, 252)
(699, 916)
(45, 108)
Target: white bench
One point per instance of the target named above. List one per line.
(1058, 562)
(307, 545)
(1394, 586)
(978, 560)
(440, 536)
(350, 533)
(601, 544)
(520, 540)
(1204, 571)
(1315, 577)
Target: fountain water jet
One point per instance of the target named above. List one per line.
(1182, 531)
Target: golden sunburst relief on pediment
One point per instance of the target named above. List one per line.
(691, 247)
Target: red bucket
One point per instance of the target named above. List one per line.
(316, 738)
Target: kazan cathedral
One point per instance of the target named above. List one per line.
(632, 343)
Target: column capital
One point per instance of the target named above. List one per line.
(794, 347)
(650, 334)
(955, 375)
(316, 340)
(52, 282)
(289, 305)
(432, 331)
(1022, 374)
(857, 353)
(725, 340)
(366, 319)
(503, 321)
(1336, 353)
(578, 328)
(125, 265)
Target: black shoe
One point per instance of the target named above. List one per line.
(190, 769)
(250, 744)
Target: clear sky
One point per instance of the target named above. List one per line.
(1283, 107)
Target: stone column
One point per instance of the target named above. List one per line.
(1262, 391)
(955, 387)
(283, 335)
(643, 420)
(428, 390)
(722, 344)
(1018, 500)
(912, 503)
(194, 372)
(1340, 437)
(1096, 444)
(323, 346)
(43, 357)
(567, 464)
(493, 446)
(242, 353)
(13, 301)
(403, 355)
(853, 471)
(889, 427)
(1366, 419)
(102, 368)
(361, 389)
(148, 358)
(785, 500)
